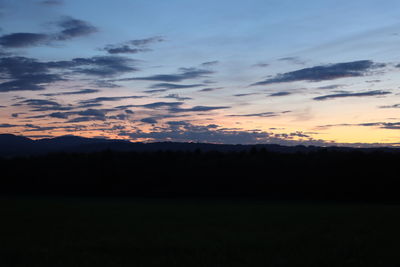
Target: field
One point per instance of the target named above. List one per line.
(143, 232)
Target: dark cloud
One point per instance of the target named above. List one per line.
(38, 102)
(108, 99)
(198, 109)
(125, 49)
(23, 39)
(125, 106)
(169, 86)
(382, 125)
(341, 95)
(155, 91)
(105, 84)
(183, 131)
(326, 72)
(133, 46)
(103, 66)
(247, 94)
(209, 63)
(43, 105)
(184, 74)
(262, 114)
(283, 93)
(7, 125)
(95, 114)
(29, 82)
(72, 28)
(82, 115)
(97, 65)
(38, 128)
(328, 87)
(391, 106)
(294, 60)
(85, 119)
(177, 97)
(24, 73)
(80, 92)
(52, 2)
(149, 120)
(210, 89)
(261, 65)
(157, 105)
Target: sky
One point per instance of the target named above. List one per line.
(315, 72)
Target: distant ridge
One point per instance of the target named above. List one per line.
(13, 145)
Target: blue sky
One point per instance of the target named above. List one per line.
(289, 72)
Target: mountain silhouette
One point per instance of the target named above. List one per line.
(13, 145)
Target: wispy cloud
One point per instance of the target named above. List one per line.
(325, 72)
(342, 95)
(133, 46)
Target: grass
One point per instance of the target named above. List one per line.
(88, 232)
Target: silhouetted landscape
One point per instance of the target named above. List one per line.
(93, 167)
(72, 201)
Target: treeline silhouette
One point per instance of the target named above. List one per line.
(317, 175)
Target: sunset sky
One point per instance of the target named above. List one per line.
(290, 72)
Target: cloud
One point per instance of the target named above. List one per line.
(283, 93)
(391, 106)
(262, 114)
(98, 65)
(23, 39)
(328, 87)
(52, 2)
(29, 82)
(43, 105)
(85, 115)
(382, 125)
(7, 125)
(183, 131)
(341, 95)
(325, 72)
(209, 63)
(149, 120)
(157, 105)
(169, 86)
(80, 92)
(108, 99)
(210, 89)
(24, 73)
(72, 28)
(177, 97)
(155, 91)
(184, 74)
(198, 109)
(105, 84)
(133, 46)
(246, 94)
(261, 65)
(294, 60)
(85, 119)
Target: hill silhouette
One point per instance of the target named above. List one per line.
(96, 167)
(12, 145)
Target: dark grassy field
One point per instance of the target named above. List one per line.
(88, 232)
